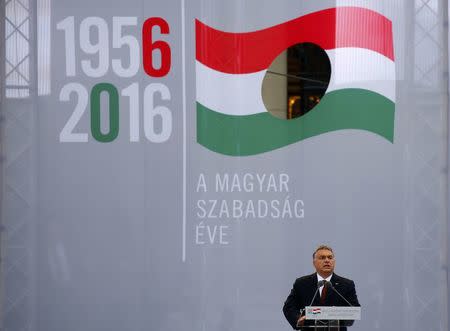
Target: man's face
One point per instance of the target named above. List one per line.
(324, 262)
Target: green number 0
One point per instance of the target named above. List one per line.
(113, 112)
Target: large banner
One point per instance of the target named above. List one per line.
(159, 192)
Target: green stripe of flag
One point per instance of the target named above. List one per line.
(262, 132)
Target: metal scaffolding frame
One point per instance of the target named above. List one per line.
(19, 147)
(427, 167)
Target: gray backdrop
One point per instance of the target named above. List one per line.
(107, 236)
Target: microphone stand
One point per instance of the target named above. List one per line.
(336, 291)
(319, 284)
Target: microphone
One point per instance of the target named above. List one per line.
(336, 291)
(319, 284)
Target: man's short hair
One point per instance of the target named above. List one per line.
(328, 248)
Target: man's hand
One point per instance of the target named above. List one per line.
(301, 320)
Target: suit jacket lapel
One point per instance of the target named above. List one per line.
(313, 280)
(331, 297)
(335, 280)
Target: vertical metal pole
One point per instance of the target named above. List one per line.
(405, 89)
(34, 149)
(446, 227)
(2, 117)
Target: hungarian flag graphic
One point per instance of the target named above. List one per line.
(230, 68)
(316, 310)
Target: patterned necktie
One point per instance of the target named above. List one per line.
(323, 296)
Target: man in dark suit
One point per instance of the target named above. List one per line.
(304, 288)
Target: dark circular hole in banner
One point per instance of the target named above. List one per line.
(296, 81)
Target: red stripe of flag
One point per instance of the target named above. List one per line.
(238, 53)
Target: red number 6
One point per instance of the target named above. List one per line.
(148, 46)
